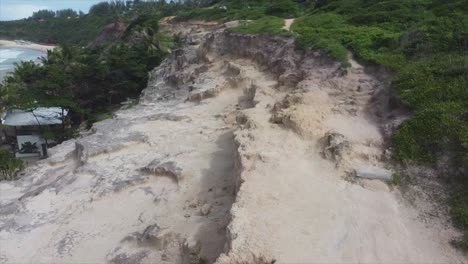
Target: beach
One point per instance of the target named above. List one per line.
(12, 52)
(25, 45)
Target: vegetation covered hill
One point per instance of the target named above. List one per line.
(75, 28)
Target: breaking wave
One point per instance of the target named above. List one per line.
(9, 54)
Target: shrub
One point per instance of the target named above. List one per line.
(268, 25)
(436, 129)
(284, 9)
(324, 31)
(203, 14)
(9, 165)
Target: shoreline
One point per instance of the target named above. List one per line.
(25, 45)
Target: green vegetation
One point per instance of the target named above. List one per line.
(75, 28)
(268, 25)
(396, 179)
(78, 31)
(86, 81)
(229, 10)
(9, 165)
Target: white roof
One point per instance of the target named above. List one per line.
(38, 117)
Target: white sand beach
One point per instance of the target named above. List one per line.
(25, 44)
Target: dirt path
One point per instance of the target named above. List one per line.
(288, 23)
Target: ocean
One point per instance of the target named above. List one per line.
(10, 56)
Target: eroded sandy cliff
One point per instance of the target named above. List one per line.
(240, 147)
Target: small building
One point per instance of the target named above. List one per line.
(28, 129)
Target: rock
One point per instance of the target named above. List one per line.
(150, 232)
(290, 79)
(169, 169)
(124, 258)
(192, 41)
(247, 99)
(191, 249)
(205, 209)
(193, 245)
(335, 145)
(231, 69)
(193, 204)
(200, 95)
(81, 154)
(387, 155)
(374, 173)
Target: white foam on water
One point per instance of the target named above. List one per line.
(6, 54)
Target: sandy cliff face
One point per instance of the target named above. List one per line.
(241, 147)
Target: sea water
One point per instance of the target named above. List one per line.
(10, 56)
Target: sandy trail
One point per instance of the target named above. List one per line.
(288, 23)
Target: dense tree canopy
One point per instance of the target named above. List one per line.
(43, 14)
(88, 81)
(66, 13)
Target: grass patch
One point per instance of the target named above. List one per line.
(325, 31)
(229, 10)
(100, 116)
(332, 33)
(396, 179)
(103, 116)
(265, 25)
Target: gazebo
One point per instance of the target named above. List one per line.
(28, 127)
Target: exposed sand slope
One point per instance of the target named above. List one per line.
(229, 131)
(296, 206)
(150, 185)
